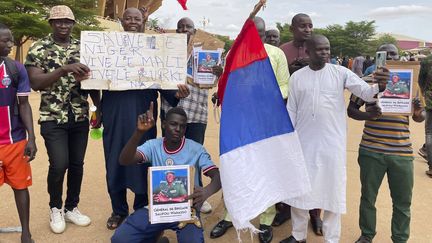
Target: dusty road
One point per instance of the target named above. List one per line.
(95, 201)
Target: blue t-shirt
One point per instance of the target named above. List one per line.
(369, 70)
(189, 153)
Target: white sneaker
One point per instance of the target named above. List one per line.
(57, 221)
(206, 207)
(76, 217)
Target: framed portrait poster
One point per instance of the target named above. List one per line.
(205, 61)
(169, 188)
(402, 87)
(200, 66)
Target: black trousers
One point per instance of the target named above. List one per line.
(66, 146)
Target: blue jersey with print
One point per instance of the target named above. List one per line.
(12, 128)
(189, 153)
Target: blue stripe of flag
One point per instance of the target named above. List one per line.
(253, 108)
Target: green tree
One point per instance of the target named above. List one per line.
(27, 18)
(227, 40)
(385, 39)
(152, 23)
(285, 33)
(353, 39)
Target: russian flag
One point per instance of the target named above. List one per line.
(261, 159)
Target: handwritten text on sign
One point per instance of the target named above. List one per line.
(124, 60)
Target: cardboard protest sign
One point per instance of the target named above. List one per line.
(126, 60)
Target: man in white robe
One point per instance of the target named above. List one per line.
(317, 109)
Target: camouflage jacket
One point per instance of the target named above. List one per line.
(65, 93)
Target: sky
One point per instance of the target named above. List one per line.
(226, 17)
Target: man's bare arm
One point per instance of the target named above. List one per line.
(257, 8)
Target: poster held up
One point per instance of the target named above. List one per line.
(126, 60)
(205, 61)
(169, 187)
(396, 99)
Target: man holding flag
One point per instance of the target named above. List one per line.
(250, 138)
(316, 107)
(280, 68)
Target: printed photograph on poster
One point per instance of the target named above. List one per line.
(169, 187)
(206, 60)
(397, 97)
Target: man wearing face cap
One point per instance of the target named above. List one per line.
(55, 70)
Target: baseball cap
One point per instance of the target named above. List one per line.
(169, 172)
(61, 12)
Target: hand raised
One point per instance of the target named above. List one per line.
(145, 13)
(146, 121)
(257, 8)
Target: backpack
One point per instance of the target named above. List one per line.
(13, 72)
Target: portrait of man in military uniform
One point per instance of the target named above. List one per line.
(207, 60)
(397, 87)
(170, 190)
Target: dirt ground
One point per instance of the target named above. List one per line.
(95, 201)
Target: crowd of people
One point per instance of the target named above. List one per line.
(311, 83)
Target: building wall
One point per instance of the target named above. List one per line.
(406, 45)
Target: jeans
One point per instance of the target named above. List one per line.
(428, 132)
(119, 202)
(137, 229)
(66, 146)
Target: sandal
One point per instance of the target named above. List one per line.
(115, 221)
(316, 225)
(280, 218)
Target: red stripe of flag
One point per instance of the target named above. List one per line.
(247, 48)
(183, 4)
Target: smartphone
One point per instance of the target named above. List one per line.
(380, 59)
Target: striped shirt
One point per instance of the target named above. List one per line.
(389, 134)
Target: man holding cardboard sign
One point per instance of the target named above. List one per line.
(120, 109)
